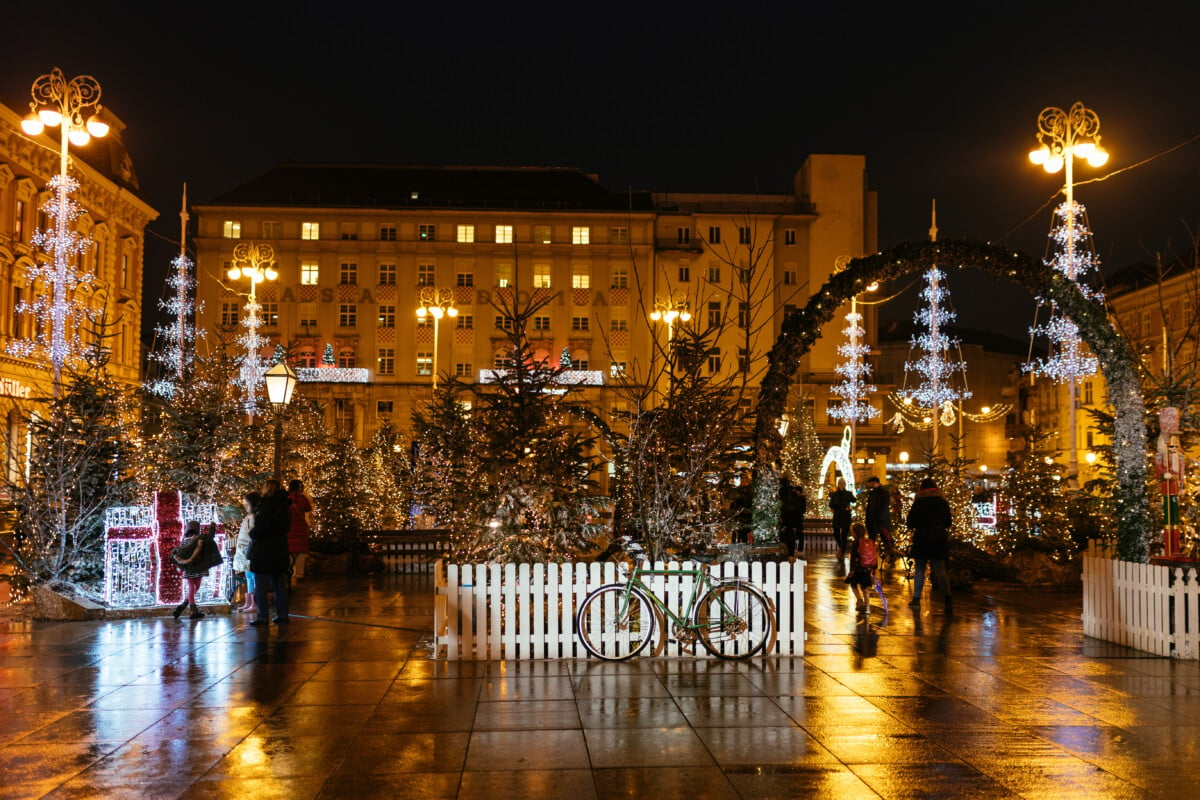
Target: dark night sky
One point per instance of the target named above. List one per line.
(943, 102)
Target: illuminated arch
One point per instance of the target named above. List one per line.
(1117, 362)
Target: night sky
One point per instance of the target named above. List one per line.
(698, 97)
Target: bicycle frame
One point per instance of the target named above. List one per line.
(702, 584)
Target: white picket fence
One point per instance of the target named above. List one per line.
(1149, 607)
(527, 611)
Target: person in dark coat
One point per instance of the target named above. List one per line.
(269, 551)
(793, 505)
(840, 501)
(930, 521)
(878, 516)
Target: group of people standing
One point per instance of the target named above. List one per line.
(271, 548)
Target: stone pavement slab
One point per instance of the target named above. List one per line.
(1003, 698)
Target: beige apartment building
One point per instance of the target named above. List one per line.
(357, 245)
(114, 217)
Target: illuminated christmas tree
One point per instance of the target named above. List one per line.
(802, 453)
(1034, 512)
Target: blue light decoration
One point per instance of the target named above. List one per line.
(855, 371)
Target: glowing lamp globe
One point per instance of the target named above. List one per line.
(234, 273)
(1039, 156)
(1053, 164)
(281, 382)
(421, 312)
(452, 311)
(685, 316)
(49, 117)
(271, 274)
(1085, 149)
(32, 125)
(79, 137)
(97, 127)
(1098, 158)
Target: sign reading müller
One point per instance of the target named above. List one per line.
(11, 387)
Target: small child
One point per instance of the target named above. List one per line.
(864, 559)
(196, 555)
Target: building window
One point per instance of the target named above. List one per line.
(619, 324)
(743, 315)
(580, 323)
(306, 359)
(425, 321)
(387, 233)
(714, 274)
(384, 406)
(231, 229)
(541, 276)
(541, 234)
(270, 230)
(466, 234)
(348, 273)
(685, 273)
(229, 314)
(387, 274)
(502, 360)
(308, 315)
(19, 222)
(581, 235)
(504, 275)
(126, 259)
(581, 364)
(348, 315)
(386, 361)
(788, 310)
(581, 278)
(310, 273)
(387, 316)
(465, 279)
(714, 234)
(789, 277)
(618, 368)
(349, 236)
(541, 323)
(683, 235)
(270, 314)
(504, 234)
(427, 232)
(1087, 393)
(714, 314)
(346, 359)
(714, 361)
(504, 323)
(620, 278)
(743, 359)
(463, 370)
(424, 363)
(425, 275)
(618, 235)
(465, 321)
(743, 235)
(310, 231)
(789, 236)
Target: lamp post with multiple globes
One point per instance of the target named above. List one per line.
(58, 102)
(254, 261)
(435, 304)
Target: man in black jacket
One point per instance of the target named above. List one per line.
(930, 520)
(269, 551)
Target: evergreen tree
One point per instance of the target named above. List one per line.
(340, 497)
(1035, 512)
(802, 454)
(327, 357)
(387, 476)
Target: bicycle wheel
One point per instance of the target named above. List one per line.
(734, 620)
(611, 629)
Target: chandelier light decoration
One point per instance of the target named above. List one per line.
(937, 368)
(855, 371)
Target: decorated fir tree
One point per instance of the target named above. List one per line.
(387, 479)
(802, 453)
(564, 359)
(1034, 511)
(327, 358)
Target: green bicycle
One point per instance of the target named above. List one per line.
(731, 617)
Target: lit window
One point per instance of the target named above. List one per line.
(387, 361)
(229, 314)
(270, 314)
(465, 321)
(541, 323)
(620, 278)
(424, 363)
(310, 231)
(387, 233)
(743, 236)
(580, 323)
(387, 274)
(466, 234)
(789, 236)
(463, 370)
(348, 315)
(504, 234)
(541, 276)
(581, 278)
(465, 279)
(349, 272)
(617, 368)
(581, 235)
(308, 315)
(310, 273)
(427, 233)
(425, 274)
(387, 316)
(541, 234)
(504, 275)
(270, 230)
(232, 229)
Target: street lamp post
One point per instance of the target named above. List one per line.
(668, 310)
(436, 303)
(1063, 135)
(281, 382)
(62, 103)
(256, 262)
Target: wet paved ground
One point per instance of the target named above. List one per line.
(1003, 699)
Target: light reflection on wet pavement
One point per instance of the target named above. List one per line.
(1004, 698)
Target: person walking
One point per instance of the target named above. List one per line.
(269, 553)
(864, 559)
(196, 555)
(241, 556)
(878, 515)
(840, 501)
(929, 519)
(298, 533)
(793, 505)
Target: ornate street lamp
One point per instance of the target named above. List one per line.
(668, 310)
(255, 262)
(58, 102)
(436, 303)
(281, 382)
